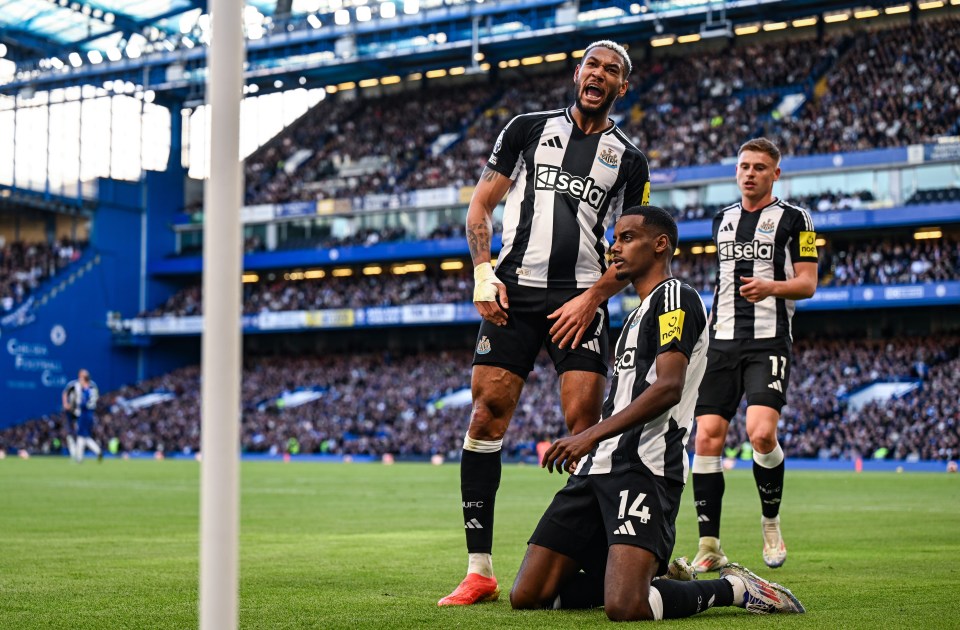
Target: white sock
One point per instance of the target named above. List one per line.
(656, 603)
(739, 589)
(481, 563)
(481, 446)
(769, 460)
(707, 464)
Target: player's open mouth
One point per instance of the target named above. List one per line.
(593, 93)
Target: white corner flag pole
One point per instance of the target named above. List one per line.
(220, 363)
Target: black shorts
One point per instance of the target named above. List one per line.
(592, 512)
(759, 367)
(515, 347)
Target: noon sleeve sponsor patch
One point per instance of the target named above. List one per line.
(808, 244)
(671, 326)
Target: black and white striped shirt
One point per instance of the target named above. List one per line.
(671, 318)
(567, 188)
(761, 244)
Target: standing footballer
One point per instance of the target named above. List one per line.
(567, 174)
(767, 260)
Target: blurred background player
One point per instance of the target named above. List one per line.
(80, 401)
(767, 259)
(629, 470)
(569, 172)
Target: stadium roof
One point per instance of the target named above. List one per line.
(159, 45)
(48, 27)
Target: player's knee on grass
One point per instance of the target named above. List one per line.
(620, 609)
(626, 592)
(530, 592)
(521, 598)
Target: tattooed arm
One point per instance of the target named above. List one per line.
(489, 191)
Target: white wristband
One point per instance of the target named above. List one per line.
(485, 289)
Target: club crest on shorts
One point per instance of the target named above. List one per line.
(483, 346)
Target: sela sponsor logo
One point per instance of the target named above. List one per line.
(483, 346)
(608, 158)
(626, 361)
(767, 227)
(808, 243)
(582, 188)
(754, 250)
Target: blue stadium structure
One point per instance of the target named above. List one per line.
(355, 203)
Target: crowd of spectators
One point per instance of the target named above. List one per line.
(23, 266)
(433, 286)
(701, 108)
(371, 404)
(892, 260)
(367, 236)
(351, 148)
(894, 87)
(889, 86)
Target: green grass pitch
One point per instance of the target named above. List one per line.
(371, 546)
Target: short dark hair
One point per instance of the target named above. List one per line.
(761, 145)
(657, 218)
(615, 47)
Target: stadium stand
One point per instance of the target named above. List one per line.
(23, 266)
(886, 85)
(365, 146)
(894, 87)
(373, 404)
(893, 261)
(936, 195)
(683, 110)
(844, 262)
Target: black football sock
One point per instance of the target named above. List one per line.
(768, 471)
(685, 599)
(479, 481)
(708, 487)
